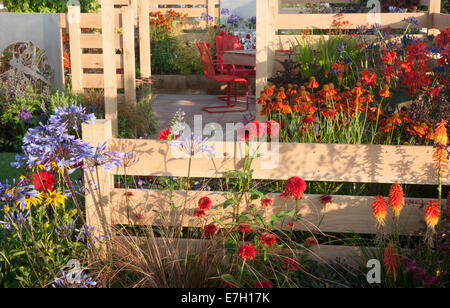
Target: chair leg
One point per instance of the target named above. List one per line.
(212, 109)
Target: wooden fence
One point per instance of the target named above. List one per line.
(274, 16)
(312, 162)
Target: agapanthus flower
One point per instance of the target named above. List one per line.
(396, 199)
(193, 145)
(263, 285)
(379, 209)
(65, 282)
(247, 251)
(432, 213)
(104, 158)
(295, 188)
(204, 203)
(72, 116)
(268, 239)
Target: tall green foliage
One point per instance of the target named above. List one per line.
(48, 6)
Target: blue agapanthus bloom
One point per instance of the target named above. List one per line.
(72, 282)
(225, 11)
(193, 145)
(233, 19)
(412, 21)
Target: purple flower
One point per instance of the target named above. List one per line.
(25, 115)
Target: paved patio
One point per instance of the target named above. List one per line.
(166, 105)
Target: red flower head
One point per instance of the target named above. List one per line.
(204, 203)
(244, 228)
(44, 181)
(228, 285)
(165, 134)
(385, 92)
(295, 187)
(396, 199)
(432, 213)
(326, 199)
(379, 209)
(199, 213)
(266, 202)
(440, 135)
(247, 251)
(389, 58)
(210, 230)
(273, 128)
(311, 242)
(390, 259)
(263, 285)
(312, 84)
(290, 264)
(368, 79)
(268, 239)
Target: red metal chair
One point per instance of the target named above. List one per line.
(209, 67)
(232, 42)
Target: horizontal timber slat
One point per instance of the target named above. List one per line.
(324, 21)
(313, 162)
(93, 40)
(343, 214)
(90, 60)
(95, 81)
(90, 20)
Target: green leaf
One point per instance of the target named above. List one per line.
(228, 203)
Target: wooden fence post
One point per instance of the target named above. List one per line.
(266, 11)
(109, 63)
(129, 60)
(433, 8)
(73, 20)
(98, 207)
(144, 39)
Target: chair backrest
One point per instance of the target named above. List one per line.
(227, 42)
(208, 66)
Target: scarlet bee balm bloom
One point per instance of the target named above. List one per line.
(295, 188)
(266, 202)
(263, 285)
(204, 203)
(268, 239)
(247, 251)
(44, 181)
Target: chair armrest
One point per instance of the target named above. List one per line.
(233, 67)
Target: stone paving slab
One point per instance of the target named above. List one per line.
(166, 105)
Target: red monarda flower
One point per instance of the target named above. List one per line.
(263, 285)
(432, 213)
(379, 209)
(228, 285)
(295, 187)
(311, 242)
(396, 199)
(204, 203)
(266, 202)
(290, 264)
(199, 213)
(244, 228)
(247, 251)
(268, 239)
(44, 181)
(326, 199)
(165, 134)
(390, 259)
(210, 230)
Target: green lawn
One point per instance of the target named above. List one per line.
(6, 171)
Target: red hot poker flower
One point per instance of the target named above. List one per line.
(247, 251)
(268, 239)
(432, 213)
(390, 259)
(204, 203)
(44, 181)
(379, 209)
(396, 199)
